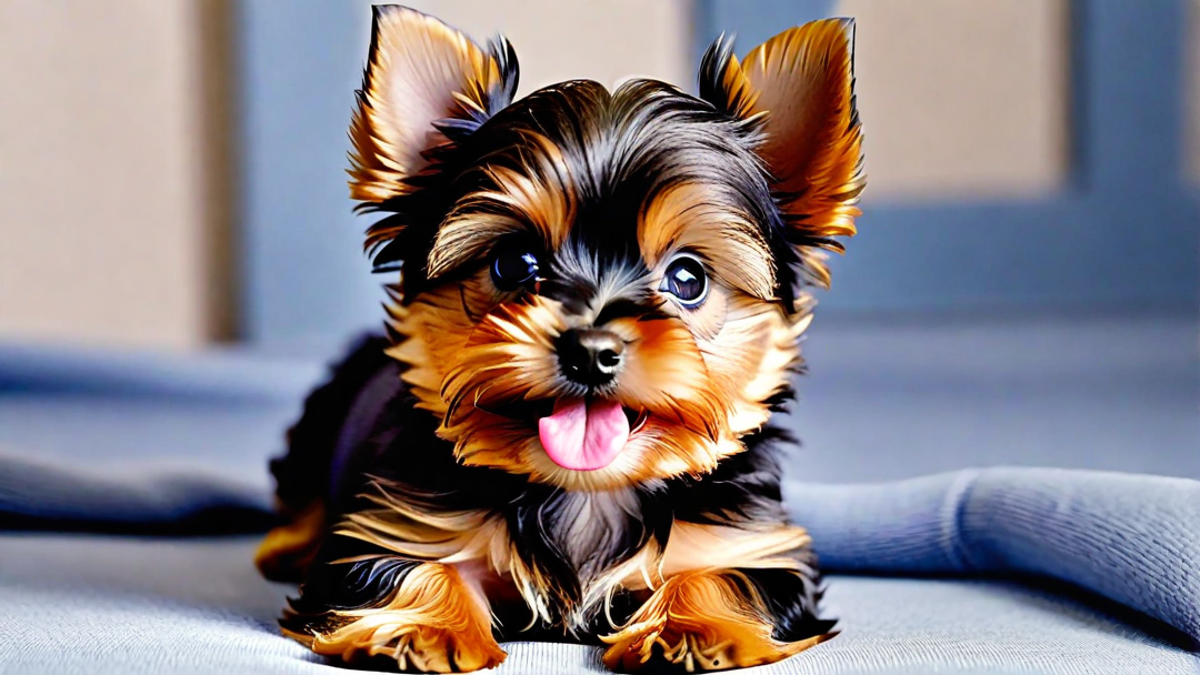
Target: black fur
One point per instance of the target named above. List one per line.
(312, 439)
(792, 599)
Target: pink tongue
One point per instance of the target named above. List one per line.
(583, 435)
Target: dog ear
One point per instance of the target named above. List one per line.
(424, 85)
(797, 89)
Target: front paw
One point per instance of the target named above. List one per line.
(699, 621)
(642, 643)
(420, 649)
(430, 623)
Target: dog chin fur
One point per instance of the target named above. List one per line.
(575, 255)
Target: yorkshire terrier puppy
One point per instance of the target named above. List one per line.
(600, 294)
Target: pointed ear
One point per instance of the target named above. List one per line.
(799, 88)
(425, 83)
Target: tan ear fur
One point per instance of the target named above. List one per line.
(419, 71)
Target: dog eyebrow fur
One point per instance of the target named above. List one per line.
(703, 219)
(534, 192)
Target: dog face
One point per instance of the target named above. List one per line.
(602, 288)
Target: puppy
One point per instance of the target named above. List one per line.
(598, 301)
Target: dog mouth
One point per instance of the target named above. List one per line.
(530, 412)
(580, 433)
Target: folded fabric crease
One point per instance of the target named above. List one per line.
(1134, 539)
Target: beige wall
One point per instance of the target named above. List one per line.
(116, 194)
(113, 212)
(962, 99)
(623, 37)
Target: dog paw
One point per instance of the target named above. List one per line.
(641, 645)
(414, 648)
(697, 622)
(437, 650)
(429, 624)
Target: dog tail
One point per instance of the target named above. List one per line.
(304, 474)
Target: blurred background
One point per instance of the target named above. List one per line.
(1025, 288)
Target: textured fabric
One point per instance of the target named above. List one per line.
(100, 605)
(1133, 539)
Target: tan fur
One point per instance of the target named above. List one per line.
(416, 532)
(421, 70)
(433, 622)
(753, 357)
(803, 77)
(714, 547)
(696, 391)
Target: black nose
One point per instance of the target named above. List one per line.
(589, 357)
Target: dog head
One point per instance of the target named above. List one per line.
(600, 288)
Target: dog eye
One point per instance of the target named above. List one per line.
(685, 279)
(513, 267)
